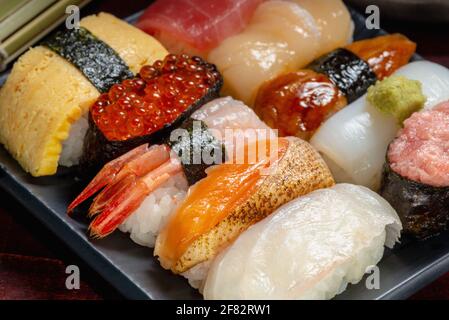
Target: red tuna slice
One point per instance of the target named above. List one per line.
(196, 26)
(421, 150)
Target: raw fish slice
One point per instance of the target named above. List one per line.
(309, 248)
(280, 37)
(334, 22)
(233, 123)
(227, 113)
(196, 26)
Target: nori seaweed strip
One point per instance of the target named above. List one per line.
(197, 149)
(423, 208)
(99, 63)
(347, 71)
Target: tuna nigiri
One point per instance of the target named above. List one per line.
(310, 248)
(234, 196)
(196, 26)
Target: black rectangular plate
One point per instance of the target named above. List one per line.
(137, 275)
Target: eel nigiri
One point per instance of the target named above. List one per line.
(142, 187)
(415, 179)
(202, 26)
(310, 248)
(296, 103)
(354, 141)
(46, 97)
(235, 195)
(144, 109)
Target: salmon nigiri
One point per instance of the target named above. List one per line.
(236, 195)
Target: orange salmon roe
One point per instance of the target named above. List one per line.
(157, 97)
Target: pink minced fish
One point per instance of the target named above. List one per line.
(196, 26)
(421, 150)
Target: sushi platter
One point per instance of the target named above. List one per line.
(350, 128)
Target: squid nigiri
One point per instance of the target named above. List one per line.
(282, 36)
(202, 26)
(235, 195)
(310, 248)
(142, 187)
(354, 141)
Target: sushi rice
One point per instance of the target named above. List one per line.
(145, 223)
(72, 147)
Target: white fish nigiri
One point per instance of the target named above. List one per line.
(354, 141)
(310, 248)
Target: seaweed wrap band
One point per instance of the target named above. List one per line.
(422, 208)
(347, 71)
(78, 46)
(45, 100)
(197, 149)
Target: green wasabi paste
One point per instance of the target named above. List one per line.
(397, 96)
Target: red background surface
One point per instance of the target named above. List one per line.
(33, 261)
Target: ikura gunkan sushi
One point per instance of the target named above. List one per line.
(416, 175)
(296, 103)
(143, 187)
(44, 102)
(310, 248)
(354, 141)
(144, 109)
(233, 197)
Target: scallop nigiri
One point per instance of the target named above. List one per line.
(281, 36)
(310, 248)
